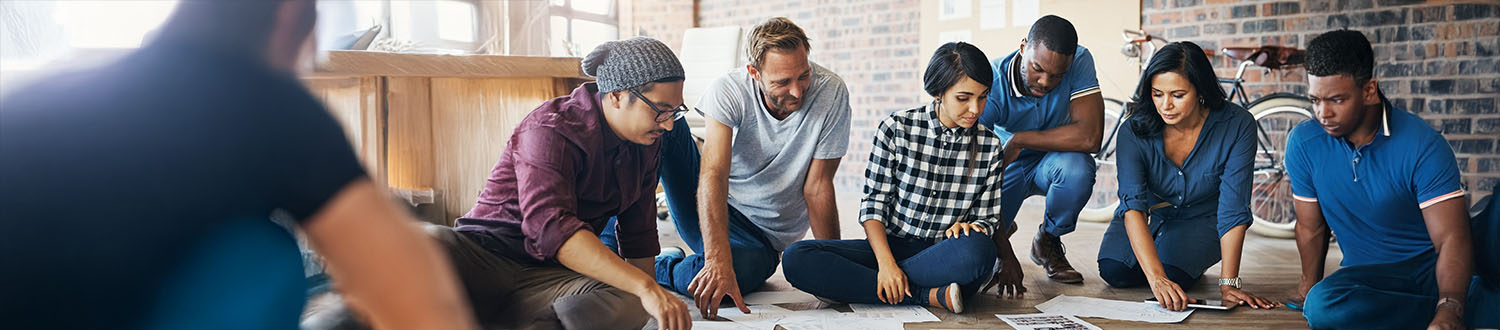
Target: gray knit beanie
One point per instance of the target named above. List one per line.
(631, 63)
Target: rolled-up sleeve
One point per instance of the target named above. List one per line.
(636, 227)
(1130, 166)
(548, 215)
(988, 205)
(880, 174)
(1234, 183)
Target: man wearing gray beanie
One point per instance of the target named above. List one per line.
(529, 252)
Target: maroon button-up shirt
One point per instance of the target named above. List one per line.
(565, 170)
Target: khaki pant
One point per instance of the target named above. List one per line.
(515, 295)
(507, 294)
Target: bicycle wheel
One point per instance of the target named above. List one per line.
(1101, 205)
(1271, 192)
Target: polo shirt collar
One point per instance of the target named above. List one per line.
(1015, 86)
(1385, 116)
(1384, 131)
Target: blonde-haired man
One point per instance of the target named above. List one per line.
(776, 131)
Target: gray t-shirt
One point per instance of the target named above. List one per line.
(771, 157)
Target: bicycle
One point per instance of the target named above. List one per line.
(1276, 114)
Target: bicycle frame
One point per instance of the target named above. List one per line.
(1238, 92)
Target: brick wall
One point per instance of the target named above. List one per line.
(664, 20)
(872, 44)
(1434, 58)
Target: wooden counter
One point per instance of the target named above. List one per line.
(432, 126)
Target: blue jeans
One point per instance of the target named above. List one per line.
(1118, 274)
(1185, 248)
(754, 258)
(1066, 178)
(845, 270)
(1402, 295)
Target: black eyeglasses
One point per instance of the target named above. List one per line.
(662, 116)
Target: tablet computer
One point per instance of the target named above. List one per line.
(1200, 303)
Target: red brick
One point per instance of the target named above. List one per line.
(1167, 18)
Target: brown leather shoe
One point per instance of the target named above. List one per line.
(1047, 251)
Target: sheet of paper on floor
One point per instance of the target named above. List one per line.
(779, 297)
(760, 317)
(905, 313)
(839, 321)
(1045, 321)
(720, 325)
(1111, 309)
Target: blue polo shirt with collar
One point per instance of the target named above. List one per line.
(1010, 109)
(1372, 196)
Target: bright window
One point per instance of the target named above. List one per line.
(580, 25)
(35, 33)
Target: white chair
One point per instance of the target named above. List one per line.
(707, 54)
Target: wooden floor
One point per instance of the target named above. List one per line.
(1270, 269)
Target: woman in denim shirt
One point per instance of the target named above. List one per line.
(1186, 156)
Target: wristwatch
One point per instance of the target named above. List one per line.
(1234, 282)
(1458, 306)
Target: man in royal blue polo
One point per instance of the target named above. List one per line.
(1389, 186)
(1047, 109)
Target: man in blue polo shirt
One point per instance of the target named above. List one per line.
(1047, 109)
(1389, 186)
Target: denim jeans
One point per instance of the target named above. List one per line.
(1402, 295)
(845, 270)
(1065, 178)
(754, 257)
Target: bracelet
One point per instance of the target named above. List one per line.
(1458, 306)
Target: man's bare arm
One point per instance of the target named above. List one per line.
(1312, 243)
(822, 206)
(388, 269)
(1448, 225)
(713, 190)
(1084, 134)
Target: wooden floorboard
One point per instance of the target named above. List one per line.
(1270, 269)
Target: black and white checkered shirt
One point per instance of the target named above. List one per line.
(924, 177)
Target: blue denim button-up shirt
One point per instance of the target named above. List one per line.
(1211, 188)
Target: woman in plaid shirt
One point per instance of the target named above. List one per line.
(932, 199)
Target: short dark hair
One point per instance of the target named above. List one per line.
(953, 61)
(232, 23)
(1184, 58)
(1339, 52)
(1056, 33)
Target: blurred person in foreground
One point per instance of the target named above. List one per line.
(138, 195)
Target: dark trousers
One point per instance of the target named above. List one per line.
(754, 257)
(1403, 295)
(845, 270)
